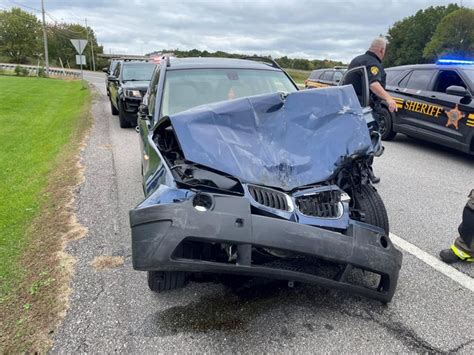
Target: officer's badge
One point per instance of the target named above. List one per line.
(374, 70)
(454, 116)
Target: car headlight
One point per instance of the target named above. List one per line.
(133, 93)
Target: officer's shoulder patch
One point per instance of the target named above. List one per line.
(374, 70)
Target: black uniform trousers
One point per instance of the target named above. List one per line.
(465, 242)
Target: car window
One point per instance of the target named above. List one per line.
(419, 79)
(314, 75)
(113, 65)
(153, 89)
(403, 83)
(327, 75)
(392, 76)
(337, 76)
(117, 70)
(470, 75)
(192, 87)
(447, 78)
(137, 71)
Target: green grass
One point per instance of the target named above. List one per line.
(37, 118)
(299, 76)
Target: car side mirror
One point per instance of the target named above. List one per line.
(112, 78)
(466, 97)
(105, 70)
(457, 90)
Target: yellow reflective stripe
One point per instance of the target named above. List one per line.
(316, 84)
(471, 116)
(461, 254)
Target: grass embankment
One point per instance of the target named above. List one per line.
(42, 124)
(299, 76)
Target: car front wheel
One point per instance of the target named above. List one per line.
(122, 115)
(371, 207)
(386, 125)
(113, 109)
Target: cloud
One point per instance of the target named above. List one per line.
(309, 29)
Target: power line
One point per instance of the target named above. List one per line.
(28, 7)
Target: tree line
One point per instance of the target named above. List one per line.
(285, 62)
(431, 33)
(21, 40)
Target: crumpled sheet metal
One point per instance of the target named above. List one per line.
(277, 141)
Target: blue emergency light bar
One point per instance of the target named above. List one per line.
(454, 61)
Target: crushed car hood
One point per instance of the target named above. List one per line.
(276, 140)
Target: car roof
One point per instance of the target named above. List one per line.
(333, 68)
(432, 66)
(213, 63)
(136, 63)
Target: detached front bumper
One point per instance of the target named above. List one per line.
(159, 230)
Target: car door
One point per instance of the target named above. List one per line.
(453, 123)
(150, 158)
(312, 81)
(114, 84)
(358, 78)
(412, 94)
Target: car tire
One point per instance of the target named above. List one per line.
(122, 116)
(113, 109)
(161, 281)
(370, 204)
(386, 125)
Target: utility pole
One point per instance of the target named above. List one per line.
(45, 40)
(92, 47)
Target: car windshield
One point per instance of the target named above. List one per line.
(193, 87)
(137, 71)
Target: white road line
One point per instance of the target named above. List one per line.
(435, 263)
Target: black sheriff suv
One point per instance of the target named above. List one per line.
(127, 85)
(434, 103)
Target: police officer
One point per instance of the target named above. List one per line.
(372, 60)
(463, 247)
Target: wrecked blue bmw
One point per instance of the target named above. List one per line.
(274, 186)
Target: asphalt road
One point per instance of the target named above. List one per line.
(424, 188)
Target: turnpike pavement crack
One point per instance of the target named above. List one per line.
(405, 334)
(460, 347)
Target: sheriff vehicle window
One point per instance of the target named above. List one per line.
(470, 74)
(447, 78)
(393, 76)
(327, 75)
(337, 76)
(315, 75)
(419, 79)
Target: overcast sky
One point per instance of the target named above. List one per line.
(309, 29)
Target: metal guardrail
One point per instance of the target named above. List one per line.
(33, 70)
